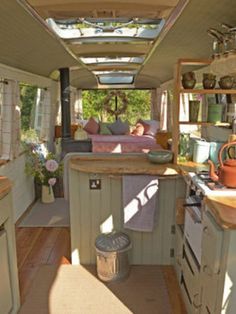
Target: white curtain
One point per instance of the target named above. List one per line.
(46, 114)
(10, 119)
(155, 104)
(75, 105)
(163, 110)
(78, 104)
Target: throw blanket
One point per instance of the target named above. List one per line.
(139, 201)
(123, 143)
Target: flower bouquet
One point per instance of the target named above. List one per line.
(45, 168)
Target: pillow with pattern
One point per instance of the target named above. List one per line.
(104, 128)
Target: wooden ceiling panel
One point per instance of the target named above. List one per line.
(130, 8)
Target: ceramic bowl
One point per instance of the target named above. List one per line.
(160, 156)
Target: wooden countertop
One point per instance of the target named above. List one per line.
(223, 209)
(121, 164)
(5, 186)
(190, 166)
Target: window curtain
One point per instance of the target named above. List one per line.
(75, 105)
(10, 125)
(155, 104)
(45, 129)
(163, 110)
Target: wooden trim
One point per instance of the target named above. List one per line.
(207, 91)
(195, 123)
(190, 61)
(57, 133)
(175, 112)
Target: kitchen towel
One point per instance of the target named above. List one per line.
(140, 201)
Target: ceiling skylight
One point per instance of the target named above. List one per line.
(118, 79)
(119, 68)
(112, 60)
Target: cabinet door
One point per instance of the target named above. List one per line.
(212, 239)
(209, 287)
(178, 251)
(190, 306)
(191, 276)
(5, 286)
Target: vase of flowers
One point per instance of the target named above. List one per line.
(47, 195)
(45, 168)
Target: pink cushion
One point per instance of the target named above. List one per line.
(139, 129)
(92, 127)
(145, 125)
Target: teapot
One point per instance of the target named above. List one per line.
(227, 170)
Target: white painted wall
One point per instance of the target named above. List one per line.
(23, 186)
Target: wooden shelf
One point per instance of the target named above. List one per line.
(204, 123)
(194, 61)
(207, 91)
(196, 123)
(178, 90)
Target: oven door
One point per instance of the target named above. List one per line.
(193, 230)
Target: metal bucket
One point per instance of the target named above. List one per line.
(112, 256)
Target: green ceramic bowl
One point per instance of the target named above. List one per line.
(160, 157)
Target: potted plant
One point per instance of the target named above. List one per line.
(45, 168)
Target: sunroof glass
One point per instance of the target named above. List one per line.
(109, 79)
(100, 60)
(85, 29)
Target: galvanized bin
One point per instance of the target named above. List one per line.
(112, 256)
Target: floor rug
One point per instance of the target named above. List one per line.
(55, 214)
(76, 290)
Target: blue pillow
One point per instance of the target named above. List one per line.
(119, 127)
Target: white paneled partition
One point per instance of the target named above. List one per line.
(91, 210)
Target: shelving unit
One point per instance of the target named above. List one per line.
(179, 90)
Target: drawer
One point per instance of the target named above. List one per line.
(190, 307)
(212, 239)
(193, 234)
(178, 251)
(192, 280)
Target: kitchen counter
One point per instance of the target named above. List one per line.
(223, 209)
(100, 207)
(121, 164)
(5, 186)
(190, 166)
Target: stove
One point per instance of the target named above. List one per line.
(203, 184)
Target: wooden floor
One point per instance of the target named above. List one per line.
(51, 246)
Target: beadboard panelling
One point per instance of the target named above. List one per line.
(91, 210)
(23, 186)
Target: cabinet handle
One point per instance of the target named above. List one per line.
(206, 230)
(196, 305)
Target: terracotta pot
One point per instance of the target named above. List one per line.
(226, 82)
(47, 195)
(208, 83)
(188, 84)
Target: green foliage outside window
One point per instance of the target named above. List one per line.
(27, 97)
(138, 105)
